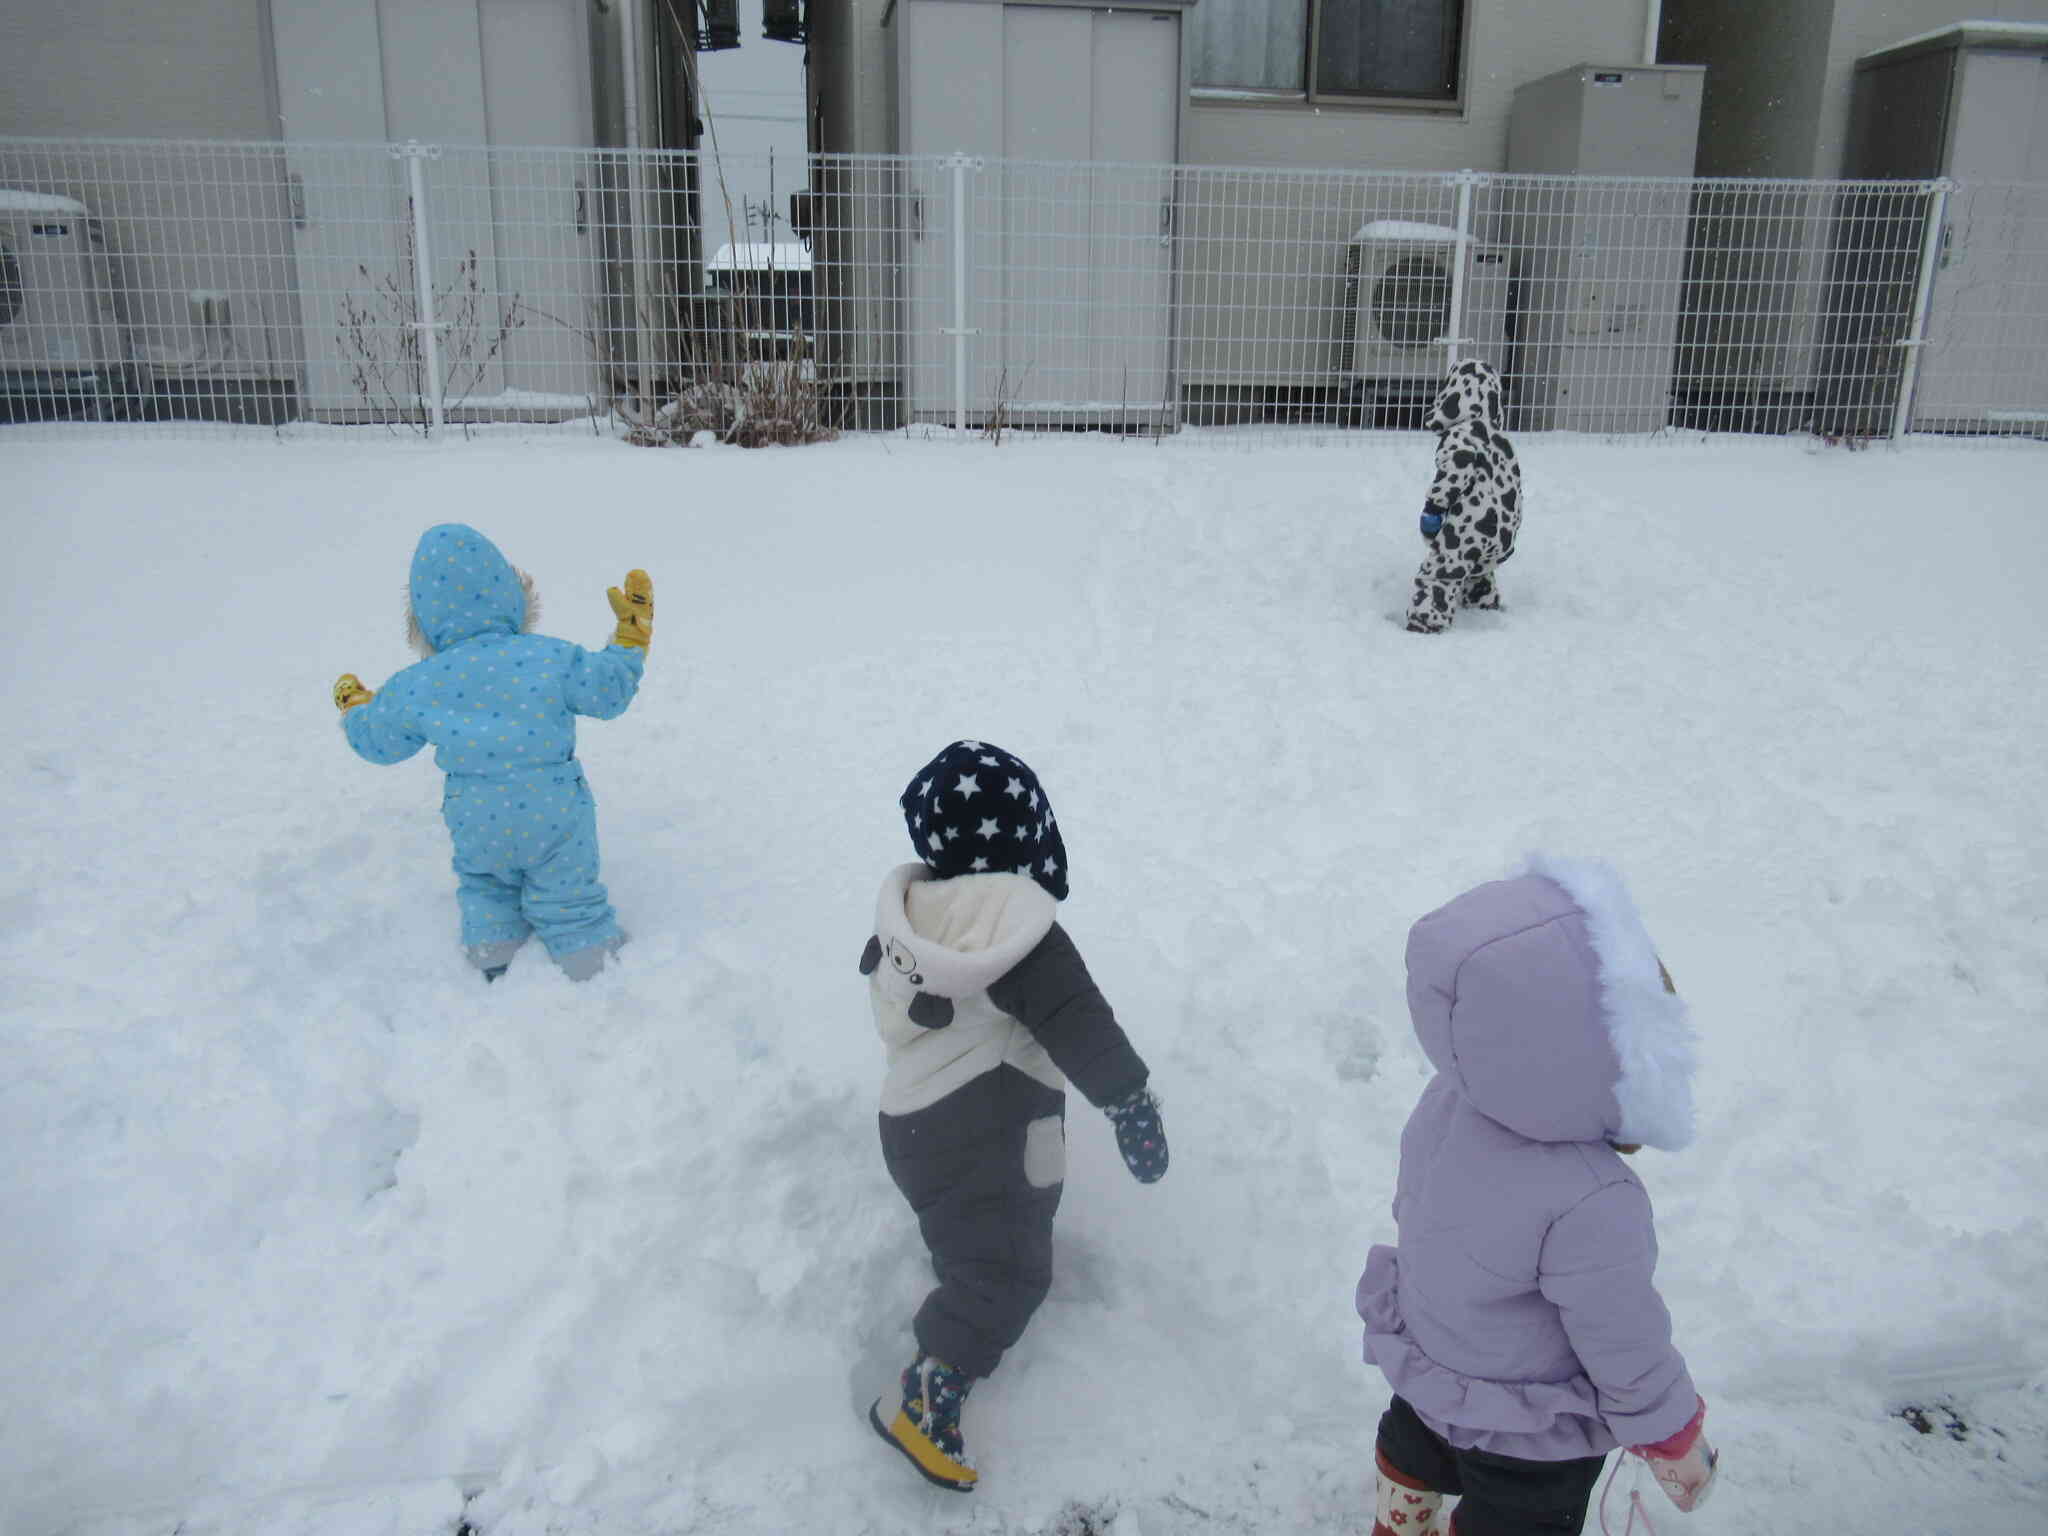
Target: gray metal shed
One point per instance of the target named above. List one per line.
(1970, 103)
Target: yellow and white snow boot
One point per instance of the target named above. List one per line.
(926, 1428)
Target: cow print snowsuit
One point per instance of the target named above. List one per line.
(1474, 508)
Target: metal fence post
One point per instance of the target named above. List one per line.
(1461, 255)
(960, 164)
(415, 155)
(637, 231)
(1916, 334)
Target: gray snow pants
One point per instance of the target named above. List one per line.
(983, 1169)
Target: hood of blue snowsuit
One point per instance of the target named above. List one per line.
(463, 587)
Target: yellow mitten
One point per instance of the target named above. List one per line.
(349, 692)
(635, 610)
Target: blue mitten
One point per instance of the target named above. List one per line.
(1140, 1134)
(1431, 521)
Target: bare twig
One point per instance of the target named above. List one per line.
(380, 337)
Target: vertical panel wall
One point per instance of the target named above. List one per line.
(1987, 360)
(1040, 83)
(451, 74)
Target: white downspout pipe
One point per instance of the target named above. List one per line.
(1461, 257)
(1653, 23)
(428, 325)
(959, 164)
(629, 66)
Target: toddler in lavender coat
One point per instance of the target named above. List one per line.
(1516, 1319)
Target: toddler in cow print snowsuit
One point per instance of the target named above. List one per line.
(1474, 509)
(986, 1010)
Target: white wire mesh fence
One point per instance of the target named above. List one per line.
(423, 288)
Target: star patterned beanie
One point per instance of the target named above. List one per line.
(976, 809)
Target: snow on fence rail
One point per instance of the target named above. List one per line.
(422, 287)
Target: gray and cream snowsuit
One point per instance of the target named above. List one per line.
(986, 1010)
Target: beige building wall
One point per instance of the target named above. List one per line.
(1766, 62)
(1263, 260)
(1507, 43)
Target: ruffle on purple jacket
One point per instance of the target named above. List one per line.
(1536, 1420)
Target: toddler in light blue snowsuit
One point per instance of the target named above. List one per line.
(499, 704)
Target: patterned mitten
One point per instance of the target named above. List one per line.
(349, 692)
(634, 609)
(1140, 1134)
(1683, 1465)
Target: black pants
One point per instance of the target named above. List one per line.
(961, 1165)
(1502, 1495)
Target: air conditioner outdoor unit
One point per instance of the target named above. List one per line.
(785, 21)
(62, 338)
(1397, 301)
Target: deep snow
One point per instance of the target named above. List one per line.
(310, 1233)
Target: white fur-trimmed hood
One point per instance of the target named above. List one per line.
(1650, 1027)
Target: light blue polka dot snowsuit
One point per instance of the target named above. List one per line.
(500, 708)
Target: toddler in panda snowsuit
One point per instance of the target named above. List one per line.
(986, 1010)
(1474, 508)
(500, 704)
(1516, 1318)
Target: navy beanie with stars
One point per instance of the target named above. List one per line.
(976, 809)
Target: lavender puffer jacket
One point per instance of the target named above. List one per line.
(1518, 1315)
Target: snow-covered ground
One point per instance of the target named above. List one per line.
(308, 1233)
